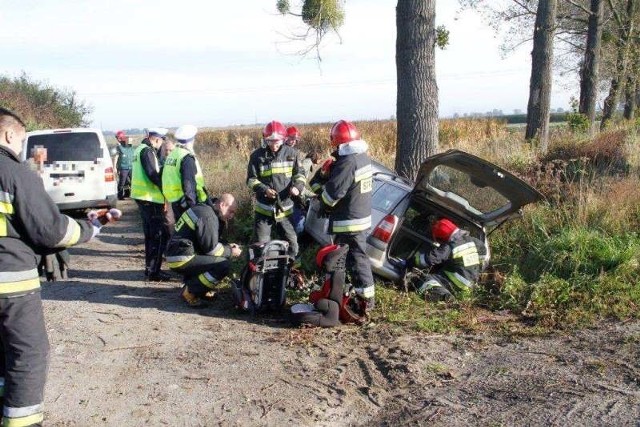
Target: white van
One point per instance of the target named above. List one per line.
(75, 166)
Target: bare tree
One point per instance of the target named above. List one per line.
(626, 32)
(589, 72)
(541, 63)
(417, 102)
(417, 96)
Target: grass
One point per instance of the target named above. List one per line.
(570, 261)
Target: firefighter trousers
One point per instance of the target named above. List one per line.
(357, 260)
(284, 229)
(155, 234)
(23, 359)
(203, 272)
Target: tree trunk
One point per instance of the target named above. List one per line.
(631, 87)
(623, 42)
(591, 64)
(540, 86)
(417, 96)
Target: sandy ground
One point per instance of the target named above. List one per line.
(129, 352)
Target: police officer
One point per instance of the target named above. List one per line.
(146, 189)
(195, 249)
(274, 174)
(346, 199)
(30, 225)
(454, 266)
(182, 179)
(124, 159)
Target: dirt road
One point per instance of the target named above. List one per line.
(128, 352)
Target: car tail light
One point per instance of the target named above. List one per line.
(384, 229)
(108, 175)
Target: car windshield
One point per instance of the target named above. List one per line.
(457, 185)
(63, 147)
(386, 196)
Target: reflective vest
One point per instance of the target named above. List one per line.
(172, 179)
(125, 156)
(142, 188)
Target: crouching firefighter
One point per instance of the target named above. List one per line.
(335, 302)
(453, 267)
(30, 225)
(195, 250)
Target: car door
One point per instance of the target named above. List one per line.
(473, 188)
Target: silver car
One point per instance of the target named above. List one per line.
(477, 195)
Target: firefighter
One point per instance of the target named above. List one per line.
(124, 158)
(30, 225)
(182, 179)
(195, 250)
(345, 197)
(146, 190)
(293, 136)
(453, 267)
(274, 174)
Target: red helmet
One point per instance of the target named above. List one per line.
(443, 229)
(342, 132)
(274, 130)
(120, 135)
(293, 132)
(323, 252)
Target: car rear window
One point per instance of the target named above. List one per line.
(63, 147)
(459, 186)
(386, 196)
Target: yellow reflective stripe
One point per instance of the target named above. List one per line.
(316, 186)
(72, 235)
(460, 281)
(178, 261)
(327, 199)
(25, 285)
(300, 178)
(218, 250)
(6, 202)
(3, 225)
(468, 253)
(207, 279)
(23, 421)
(363, 173)
(190, 218)
(270, 211)
(252, 183)
(428, 285)
(351, 225)
(286, 170)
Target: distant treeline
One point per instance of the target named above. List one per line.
(522, 118)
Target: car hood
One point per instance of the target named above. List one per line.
(473, 188)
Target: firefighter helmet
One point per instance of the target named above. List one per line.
(443, 229)
(274, 130)
(323, 252)
(343, 132)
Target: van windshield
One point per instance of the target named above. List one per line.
(64, 147)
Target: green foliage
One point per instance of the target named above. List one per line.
(442, 36)
(283, 6)
(41, 105)
(577, 122)
(323, 15)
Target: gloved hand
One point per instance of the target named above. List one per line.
(100, 217)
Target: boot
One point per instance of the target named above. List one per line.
(191, 300)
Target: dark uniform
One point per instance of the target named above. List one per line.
(457, 264)
(346, 198)
(195, 250)
(146, 190)
(125, 160)
(30, 225)
(279, 171)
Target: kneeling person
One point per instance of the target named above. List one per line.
(454, 266)
(195, 250)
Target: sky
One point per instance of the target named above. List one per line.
(165, 63)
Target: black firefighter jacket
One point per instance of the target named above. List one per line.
(197, 232)
(279, 171)
(30, 225)
(347, 193)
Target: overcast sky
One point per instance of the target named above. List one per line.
(150, 63)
